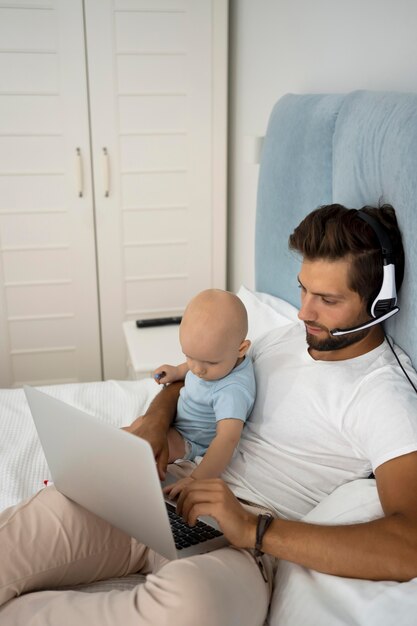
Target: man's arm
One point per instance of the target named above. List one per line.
(154, 424)
(383, 549)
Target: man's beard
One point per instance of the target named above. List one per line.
(334, 343)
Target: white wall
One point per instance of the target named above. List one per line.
(301, 46)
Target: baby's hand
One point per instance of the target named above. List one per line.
(166, 374)
(174, 490)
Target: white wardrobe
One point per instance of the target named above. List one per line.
(112, 176)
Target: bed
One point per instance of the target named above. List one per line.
(354, 149)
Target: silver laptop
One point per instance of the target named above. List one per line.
(113, 474)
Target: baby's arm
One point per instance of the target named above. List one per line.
(170, 373)
(220, 450)
(217, 456)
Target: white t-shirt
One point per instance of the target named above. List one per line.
(319, 424)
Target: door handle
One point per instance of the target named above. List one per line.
(106, 173)
(80, 178)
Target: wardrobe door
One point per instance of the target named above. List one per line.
(49, 326)
(157, 77)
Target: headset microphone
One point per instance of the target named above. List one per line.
(336, 332)
(384, 305)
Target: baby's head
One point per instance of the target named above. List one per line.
(213, 333)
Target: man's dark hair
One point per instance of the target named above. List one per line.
(334, 232)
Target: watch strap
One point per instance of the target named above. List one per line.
(264, 521)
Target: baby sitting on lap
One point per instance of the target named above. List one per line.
(219, 389)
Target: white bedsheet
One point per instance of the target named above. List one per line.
(22, 462)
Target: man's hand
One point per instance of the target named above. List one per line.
(212, 497)
(172, 491)
(154, 424)
(156, 436)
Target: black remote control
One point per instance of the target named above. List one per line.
(158, 321)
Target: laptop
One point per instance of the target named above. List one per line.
(113, 474)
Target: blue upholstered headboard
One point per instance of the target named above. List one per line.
(354, 149)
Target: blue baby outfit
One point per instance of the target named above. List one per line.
(202, 403)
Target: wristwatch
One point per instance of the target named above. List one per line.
(264, 521)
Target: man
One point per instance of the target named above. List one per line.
(330, 409)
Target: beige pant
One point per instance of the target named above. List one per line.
(50, 542)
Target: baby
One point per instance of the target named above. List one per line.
(219, 389)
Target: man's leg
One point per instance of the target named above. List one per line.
(50, 542)
(223, 588)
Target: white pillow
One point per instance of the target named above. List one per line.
(279, 305)
(265, 312)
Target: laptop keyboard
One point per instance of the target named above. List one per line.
(185, 535)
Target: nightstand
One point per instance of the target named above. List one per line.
(150, 347)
